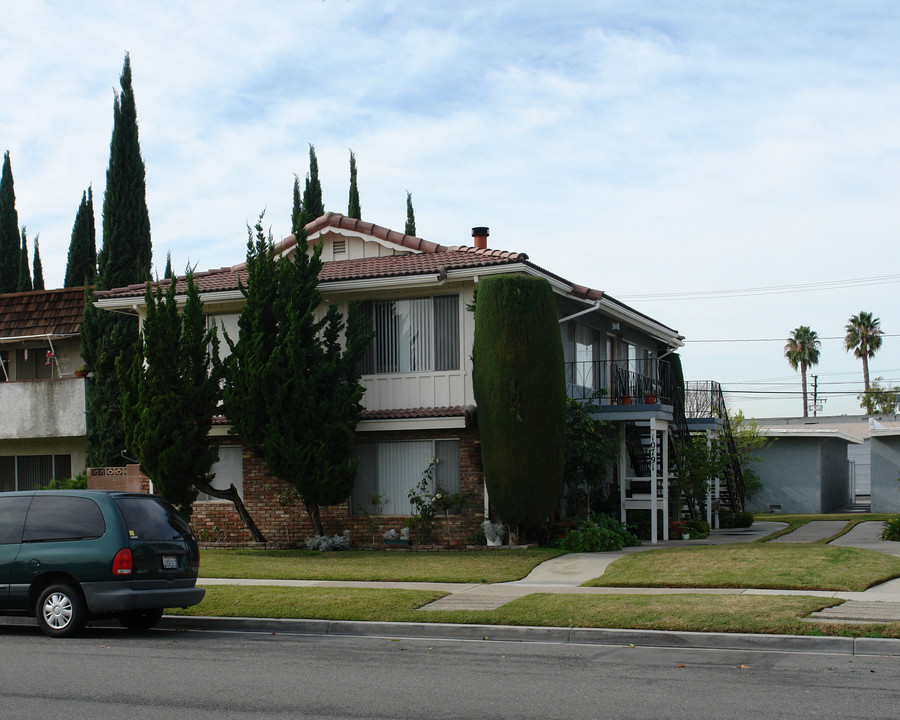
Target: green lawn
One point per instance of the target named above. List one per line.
(466, 566)
(697, 613)
(804, 566)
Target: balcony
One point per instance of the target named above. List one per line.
(623, 385)
(43, 409)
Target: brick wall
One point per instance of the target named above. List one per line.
(217, 522)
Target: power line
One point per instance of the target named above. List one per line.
(781, 340)
(766, 290)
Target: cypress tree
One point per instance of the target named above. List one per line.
(168, 274)
(126, 252)
(9, 230)
(81, 266)
(305, 433)
(297, 209)
(110, 338)
(169, 397)
(353, 209)
(519, 381)
(410, 216)
(38, 267)
(312, 206)
(23, 283)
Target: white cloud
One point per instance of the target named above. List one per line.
(627, 146)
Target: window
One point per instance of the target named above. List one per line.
(228, 470)
(32, 472)
(4, 366)
(52, 517)
(391, 469)
(149, 518)
(412, 336)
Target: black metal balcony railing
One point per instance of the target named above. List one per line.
(622, 385)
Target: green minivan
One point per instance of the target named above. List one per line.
(68, 556)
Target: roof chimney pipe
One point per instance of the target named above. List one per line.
(481, 235)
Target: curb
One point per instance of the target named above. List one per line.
(828, 645)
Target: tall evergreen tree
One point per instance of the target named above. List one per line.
(297, 209)
(126, 252)
(38, 267)
(312, 206)
(169, 397)
(24, 275)
(518, 376)
(410, 216)
(108, 338)
(81, 266)
(168, 274)
(9, 230)
(353, 209)
(305, 432)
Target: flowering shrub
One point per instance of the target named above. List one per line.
(427, 505)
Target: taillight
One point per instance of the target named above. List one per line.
(123, 562)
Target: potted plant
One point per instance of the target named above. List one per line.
(81, 371)
(493, 533)
(650, 398)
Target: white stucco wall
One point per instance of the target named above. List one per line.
(43, 409)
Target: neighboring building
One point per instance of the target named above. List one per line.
(419, 403)
(863, 470)
(43, 433)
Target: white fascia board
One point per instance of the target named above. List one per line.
(408, 424)
(44, 336)
(404, 281)
(131, 304)
(884, 432)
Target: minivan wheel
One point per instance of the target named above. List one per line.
(60, 611)
(141, 619)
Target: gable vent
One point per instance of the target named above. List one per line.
(339, 247)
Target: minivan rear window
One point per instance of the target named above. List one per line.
(63, 518)
(151, 518)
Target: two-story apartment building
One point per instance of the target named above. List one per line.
(43, 435)
(419, 403)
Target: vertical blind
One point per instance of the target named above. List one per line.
(390, 470)
(413, 335)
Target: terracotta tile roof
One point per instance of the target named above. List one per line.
(468, 412)
(426, 258)
(41, 312)
(426, 263)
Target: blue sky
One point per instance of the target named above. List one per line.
(637, 147)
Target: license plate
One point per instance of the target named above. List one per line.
(170, 562)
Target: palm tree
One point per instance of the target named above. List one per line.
(802, 350)
(864, 339)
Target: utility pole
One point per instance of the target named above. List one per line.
(815, 393)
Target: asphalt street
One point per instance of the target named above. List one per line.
(109, 673)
